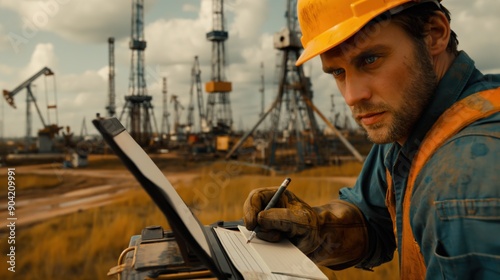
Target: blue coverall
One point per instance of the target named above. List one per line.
(455, 209)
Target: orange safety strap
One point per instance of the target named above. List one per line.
(390, 202)
(456, 118)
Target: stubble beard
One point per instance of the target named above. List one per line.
(417, 95)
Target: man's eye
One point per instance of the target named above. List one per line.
(371, 59)
(337, 72)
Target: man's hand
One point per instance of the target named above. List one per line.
(291, 218)
(332, 235)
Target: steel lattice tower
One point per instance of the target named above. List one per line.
(294, 138)
(140, 115)
(219, 115)
(293, 124)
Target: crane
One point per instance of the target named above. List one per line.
(49, 130)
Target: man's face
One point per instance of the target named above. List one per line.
(385, 78)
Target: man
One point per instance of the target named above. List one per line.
(429, 186)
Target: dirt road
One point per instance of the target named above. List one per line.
(81, 189)
(77, 190)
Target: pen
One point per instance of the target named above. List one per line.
(271, 204)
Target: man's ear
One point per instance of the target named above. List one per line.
(438, 34)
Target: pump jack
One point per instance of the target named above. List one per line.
(48, 130)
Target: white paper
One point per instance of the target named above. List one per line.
(264, 260)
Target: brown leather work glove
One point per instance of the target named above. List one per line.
(291, 217)
(332, 235)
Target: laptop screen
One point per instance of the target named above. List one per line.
(154, 182)
(151, 171)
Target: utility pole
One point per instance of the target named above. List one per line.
(190, 111)
(111, 108)
(262, 96)
(165, 125)
(177, 114)
(196, 85)
(29, 119)
(2, 123)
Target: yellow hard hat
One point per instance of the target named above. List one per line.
(327, 23)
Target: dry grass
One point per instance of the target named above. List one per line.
(348, 168)
(82, 245)
(31, 181)
(86, 245)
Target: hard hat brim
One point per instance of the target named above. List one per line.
(340, 33)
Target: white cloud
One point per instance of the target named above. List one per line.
(190, 8)
(176, 41)
(104, 72)
(43, 56)
(78, 21)
(249, 17)
(4, 39)
(6, 70)
(89, 81)
(476, 23)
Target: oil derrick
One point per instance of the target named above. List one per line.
(219, 115)
(295, 126)
(140, 115)
(294, 138)
(111, 107)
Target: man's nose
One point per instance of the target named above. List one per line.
(356, 89)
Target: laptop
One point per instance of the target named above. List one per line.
(205, 243)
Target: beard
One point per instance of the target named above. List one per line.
(417, 94)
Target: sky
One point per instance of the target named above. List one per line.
(70, 37)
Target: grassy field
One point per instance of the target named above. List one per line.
(85, 245)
